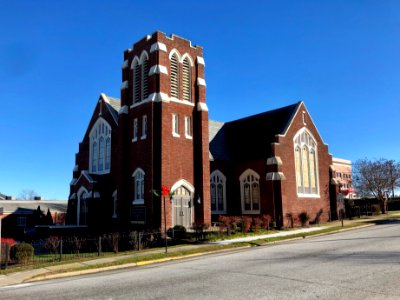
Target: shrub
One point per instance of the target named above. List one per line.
(376, 209)
(225, 222)
(246, 224)
(304, 217)
(200, 229)
(22, 253)
(318, 216)
(256, 224)
(265, 221)
(179, 232)
(235, 223)
(290, 220)
(52, 244)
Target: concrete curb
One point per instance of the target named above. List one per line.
(123, 266)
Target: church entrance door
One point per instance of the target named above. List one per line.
(182, 207)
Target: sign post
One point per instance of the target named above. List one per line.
(165, 192)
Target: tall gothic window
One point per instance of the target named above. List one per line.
(250, 191)
(94, 157)
(100, 147)
(306, 163)
(174, 76)
(186, 79)
(218, 192)
(101, 154)
(138, 186)
(108, 153)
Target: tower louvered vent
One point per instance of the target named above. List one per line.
(174, 76)
(186, 80)
(145, 76)
(136, 80)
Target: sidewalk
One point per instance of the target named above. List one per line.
(48, 272)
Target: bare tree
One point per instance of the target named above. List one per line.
(377, 178)
(27, 194)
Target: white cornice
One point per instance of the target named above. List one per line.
(200, 60)
(202, 106)
(124, 85)
(275, 176)
(123, 110)
(201, 81)
(158, 47)
(157, 69)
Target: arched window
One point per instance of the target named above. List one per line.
(174, 75)
(101, 154)
(218, 192)
(108, 153)
(250, 191)
(145, 77)
(136, 82)
(82, 207)
(100, 147)
(186, 79)
(306, 162)
(94, 157)
(138, 181)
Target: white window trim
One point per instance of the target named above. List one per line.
(137, 201)
(301, 131)
(82, 191)
(175, 129)
(219, 174)
(188, 128)
(241, 179)
(93, 138)
(144, 127)
(135, 130)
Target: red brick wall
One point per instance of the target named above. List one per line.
(166, 159)
(291, 202)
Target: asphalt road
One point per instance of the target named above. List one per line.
(357, 264)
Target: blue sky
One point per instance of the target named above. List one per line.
(56, 57)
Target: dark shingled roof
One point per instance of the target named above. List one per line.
(249, 138)
(217, 141)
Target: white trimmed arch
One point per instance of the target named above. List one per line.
(143, 56)
(250, 191)
(218, 192)
(187, 56)
(182, 182)
(135, 62)
(100, 147)
(176, 52)
(82, 194)
(305, 149)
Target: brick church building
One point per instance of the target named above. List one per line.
(158, 133)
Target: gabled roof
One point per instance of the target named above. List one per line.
(113, 104)
(251, 137)
(217, 139)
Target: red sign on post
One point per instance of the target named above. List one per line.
(164, 190)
